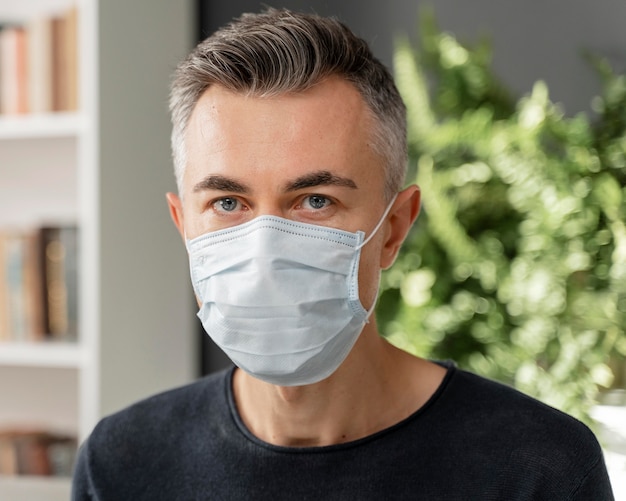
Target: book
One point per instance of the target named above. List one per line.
(65, 61)
(71, 54)
(33, 288)
(15, 292)
(59, 261)
(8, 457)
(13, 70)
(5, 331)
(36, 452)
(39, 38)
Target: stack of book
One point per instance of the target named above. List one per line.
(38, 285)
(24, 452)
(39, 65)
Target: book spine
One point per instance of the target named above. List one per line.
(39, 36)
(59, 257)
(5, 331)
(14, 273)
(33, 288)
(70, 50)
(9, 71)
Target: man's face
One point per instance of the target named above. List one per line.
(303, 156)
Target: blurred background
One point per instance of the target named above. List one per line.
(516, 268)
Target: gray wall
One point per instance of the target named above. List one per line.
(532, 39)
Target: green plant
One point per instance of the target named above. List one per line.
(516, 268)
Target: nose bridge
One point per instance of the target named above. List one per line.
(270, 210)
(270, 202)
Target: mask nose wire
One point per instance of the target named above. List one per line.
(379, 224)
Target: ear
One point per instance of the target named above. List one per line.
(401, 217)
(176, 212)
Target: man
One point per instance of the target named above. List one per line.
(289, 150)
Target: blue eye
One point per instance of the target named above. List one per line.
(227, 204)
(316, 202)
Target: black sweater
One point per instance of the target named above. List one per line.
(473, 440)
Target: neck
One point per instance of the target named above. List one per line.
(376, 387)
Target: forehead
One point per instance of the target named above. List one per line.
(328, 126)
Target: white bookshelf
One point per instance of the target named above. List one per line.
(105, 168)
(50, 125)
(39, 354)
(37, 489)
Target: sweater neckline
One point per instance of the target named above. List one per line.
(451, 370)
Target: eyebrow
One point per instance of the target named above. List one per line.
(220, 183)
(319, 178)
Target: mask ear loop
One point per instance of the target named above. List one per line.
(376, 228)
(379, 224)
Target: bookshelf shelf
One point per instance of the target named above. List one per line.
(23, 10)
(50, 125)
(35, 488)
(41, 354)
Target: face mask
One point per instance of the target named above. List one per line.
(280, 297)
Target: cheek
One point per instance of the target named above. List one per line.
(195, 221)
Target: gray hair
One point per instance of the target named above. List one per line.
(278, 52)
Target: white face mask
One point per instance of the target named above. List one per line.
(279, 297)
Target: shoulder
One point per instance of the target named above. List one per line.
(526, 437)
(135, 445)
(507, 410)
(474, 393)
(161, 416)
